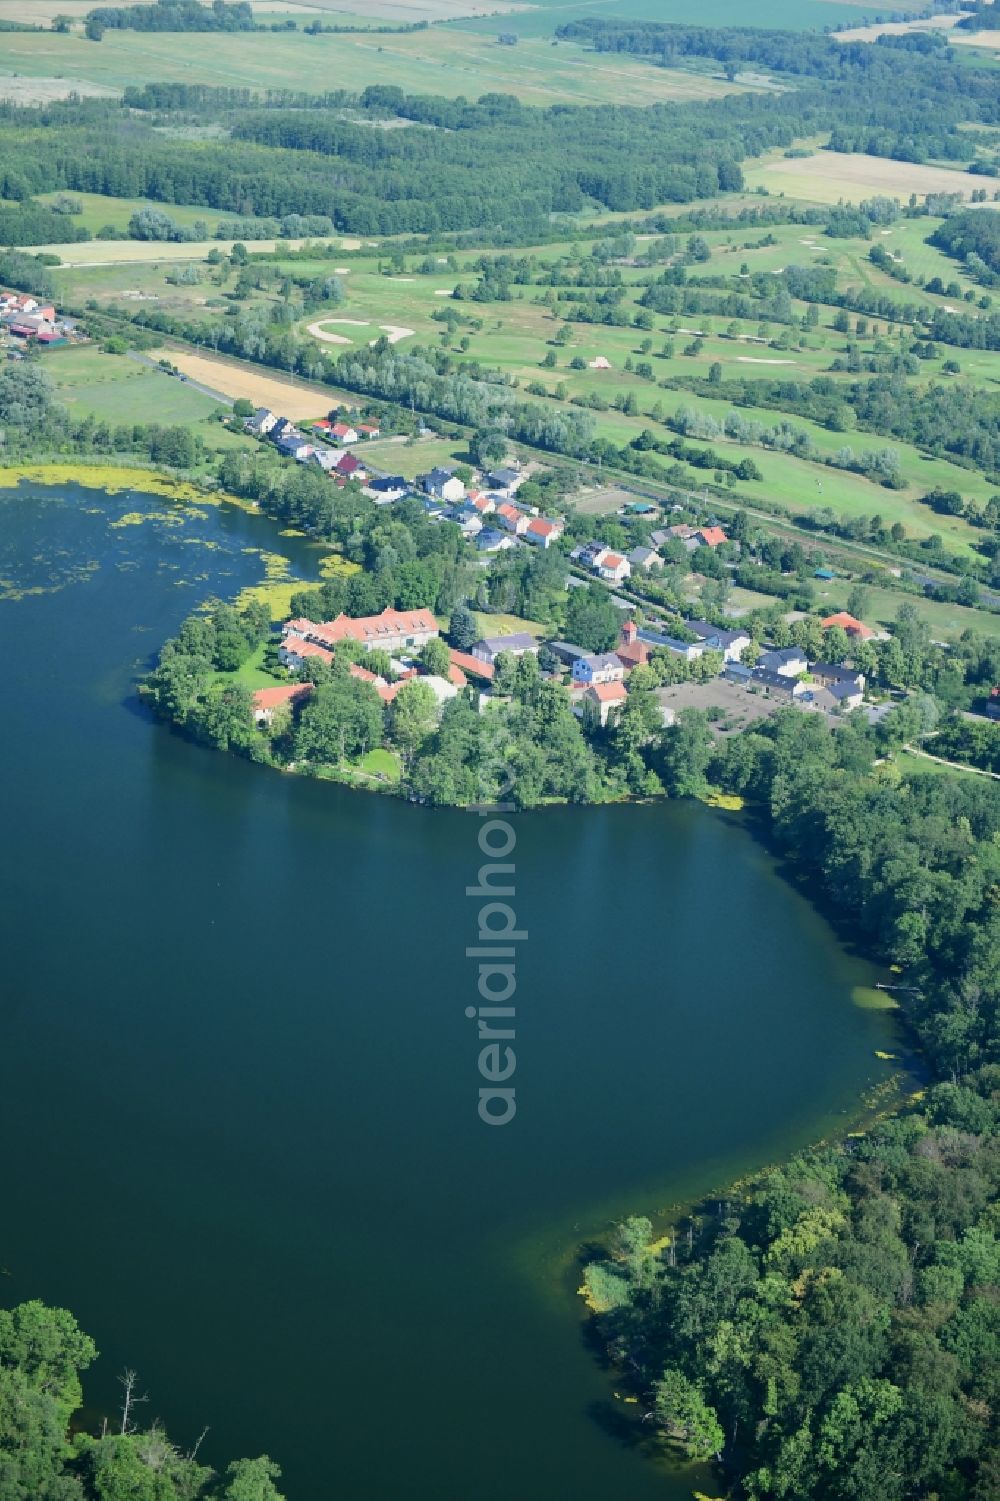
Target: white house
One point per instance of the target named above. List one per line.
(261, 422)
(612, 566)
(605, 667)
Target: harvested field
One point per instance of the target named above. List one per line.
(976, 39)
(827, 176)
(287, 398)
(14, 89)
(897, 28)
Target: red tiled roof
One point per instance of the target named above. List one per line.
(349, 464)
(608, 693)
(270, 698)
(712, 535)
(847, 623)
(542, 528)
(307, 649)
(633, 653)
(456, 676)
(611, 560)
(370, 630)
(471, 665)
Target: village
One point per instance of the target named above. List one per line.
(25, 321)
(701, 664)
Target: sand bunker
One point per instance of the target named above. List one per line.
(394, 332)
(319, 330)
(754, 359)
(444, 291)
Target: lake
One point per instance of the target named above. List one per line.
(238, 1087)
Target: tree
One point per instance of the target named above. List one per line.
(591, 619)
(462, 629)
(504, 673)
(685, 751)
(242, 407)
(412, 716)
(685, 1415)
(435, 656)
(252, 1480)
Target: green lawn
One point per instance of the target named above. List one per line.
(382, 763)
(99, 210)
(114, 388)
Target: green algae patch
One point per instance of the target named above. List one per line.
(867, 998)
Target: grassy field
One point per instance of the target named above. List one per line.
(829, 176)
(99, 211)
(437, 61)
(414, 456)
(114, 388)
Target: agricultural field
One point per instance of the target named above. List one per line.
(791, 15)
(829, 176)
(235, 378)
(438, 61)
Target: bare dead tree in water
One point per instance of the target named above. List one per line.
(192, 1453)
(127, 1381)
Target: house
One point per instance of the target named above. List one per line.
(778, 684)
(504, 481)
(512, 518)
(394, 630)
(710, 536)
(829, 675)
(266, 700)
(611, 565)
(466, 517)
(490, 540)
(542, 532)
(294, 651)
(732, 644)
(737, 672)
(295, 447)
(587, 553)
(484, 504)
(367, 430)
(599, 363)
(826, 574)
(261, 422)
(567, 652)
(516, 644)
(350, 467)
(387, 488)
(443, 485)
(854, 628)
(471, 666)
(689, 650)
(281, 427)
(632, 654)
(343, 432)
(603, 667)
(786, 662)
(326, 458)
(604, 697)
(846, 695)
(645, 557)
